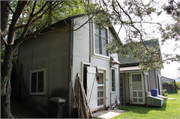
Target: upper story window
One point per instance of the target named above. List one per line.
(101, 39)
(37, 81)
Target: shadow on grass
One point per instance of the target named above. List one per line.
(142, 109)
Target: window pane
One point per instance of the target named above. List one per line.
(41, 81)
(97, 41)
(33, 82)
(104, 52)
(97, 50)
(97, 44)
(100, 102)
(104, 42)
(101, 78)
(113, 80)
(100, 94)
(104, 33)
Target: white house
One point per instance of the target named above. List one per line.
(52, 60)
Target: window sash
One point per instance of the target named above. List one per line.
(101, 40)
(37, 82)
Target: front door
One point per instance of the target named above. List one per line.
(136, 83)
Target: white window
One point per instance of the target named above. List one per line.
(101, 39)
(113, 80)
(37, 82)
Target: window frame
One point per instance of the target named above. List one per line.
(107, 39)
(44, 90)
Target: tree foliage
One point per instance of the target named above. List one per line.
(137, 19)
(22, 20)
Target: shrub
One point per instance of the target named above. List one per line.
(164, 92)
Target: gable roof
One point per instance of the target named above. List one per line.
(67, 21)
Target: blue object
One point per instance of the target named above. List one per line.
(154, 92)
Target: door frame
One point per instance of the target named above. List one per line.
(130, 87)
(82, 72)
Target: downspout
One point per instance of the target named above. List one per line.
(70, 68)
(90, 33)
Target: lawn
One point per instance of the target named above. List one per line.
(169, 110)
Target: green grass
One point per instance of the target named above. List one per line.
(169, 110)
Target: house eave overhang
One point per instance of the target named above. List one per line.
(114, 61)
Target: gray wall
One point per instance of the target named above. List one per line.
(50, 51)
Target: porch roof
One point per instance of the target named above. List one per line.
(129, 69)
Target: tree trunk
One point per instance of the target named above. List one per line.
(4, 19)
(6, 87)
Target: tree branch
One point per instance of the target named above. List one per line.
(54, 6)
(19, 9)
(29, 21)
(10, 8)
(2, 38)
(42, 8)
(21, 39)
(86, 21)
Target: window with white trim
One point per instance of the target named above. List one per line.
(113, 80)
(37, 81)
(101, 39)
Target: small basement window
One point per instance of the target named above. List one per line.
(37, 81)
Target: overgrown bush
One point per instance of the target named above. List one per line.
(164, 92)
(178, 85)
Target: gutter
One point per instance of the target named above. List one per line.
(70, 69)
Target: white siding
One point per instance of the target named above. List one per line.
(82, 52)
